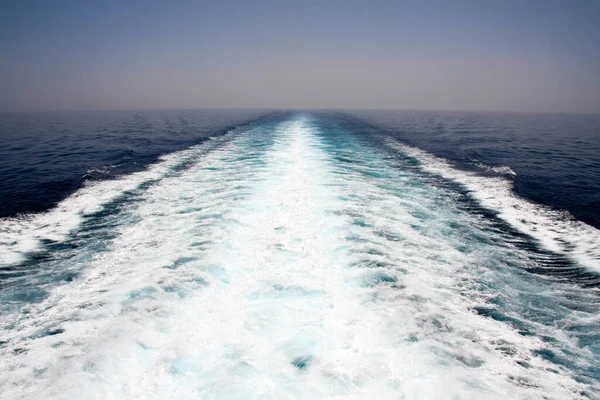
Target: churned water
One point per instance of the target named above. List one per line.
(303, 255)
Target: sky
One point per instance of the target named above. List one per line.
(502, 55)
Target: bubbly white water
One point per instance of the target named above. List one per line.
(287, 262)
(557, 231)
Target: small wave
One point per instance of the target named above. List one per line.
(501, 170)
(97, 172)
(104, 169)
(555, 230)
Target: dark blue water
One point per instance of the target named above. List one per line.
(46, 156)
(556, 157)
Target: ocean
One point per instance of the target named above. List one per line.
(299, 254)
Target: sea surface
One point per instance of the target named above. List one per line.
(355, 254)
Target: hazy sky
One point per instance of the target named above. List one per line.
(459, 55)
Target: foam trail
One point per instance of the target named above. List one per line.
(294, 260)
(557, 231)
(25, 234)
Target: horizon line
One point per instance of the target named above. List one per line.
(297, 109)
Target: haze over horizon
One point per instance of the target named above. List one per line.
(535, 56)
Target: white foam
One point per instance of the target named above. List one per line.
(268, 269)
(557, 231)
(503, 169)
(23, 234)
